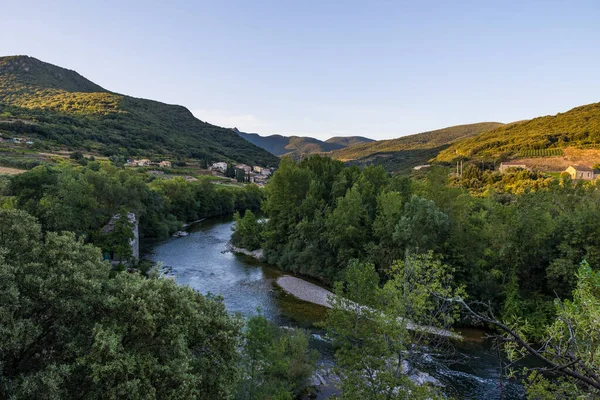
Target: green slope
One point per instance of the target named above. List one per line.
(408, 151)
(59, 106)
(298, 146)
(346, 141)
(579, 127)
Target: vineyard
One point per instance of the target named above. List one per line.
(541, 153)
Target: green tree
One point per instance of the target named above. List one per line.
(370, 325)
(570, 357)
(71, 329)
(347, 227)
(276, 363)
(247, 231)
(118, 240)
(423, 226)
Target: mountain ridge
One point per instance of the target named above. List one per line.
(67, 109)
(406, 152)
(298, 146)
(577, 127)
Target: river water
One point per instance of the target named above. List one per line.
(201, 261)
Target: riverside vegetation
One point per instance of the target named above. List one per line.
(514, 243)
(75, 327)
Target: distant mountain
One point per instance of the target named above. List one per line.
(408, 151)
(579, 128)
(58, 106)
(298, 146)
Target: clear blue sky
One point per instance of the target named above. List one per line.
(382, 69)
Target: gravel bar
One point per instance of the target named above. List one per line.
(312, 293)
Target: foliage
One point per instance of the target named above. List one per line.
(118, 239)
(568, 362)
(71, 329)
(84, 199)
(574, 338)
(59, 106)
(578, 127)
(408, 151)
(371, 325)
(514, 240)
(276, 363)
(247, 231)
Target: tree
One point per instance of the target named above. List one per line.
(118, 240)
(376, 329)
(247, 231)
(423, 226)
(347, 227)
(240, 175)
(276, 363)
(72, 329)
(389, 211)
(77, 156)
(230, 172)
(570, 350)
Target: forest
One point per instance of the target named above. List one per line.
(512, 242)
(397, 250)
(73, 326)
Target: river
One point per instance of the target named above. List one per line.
(201, 261)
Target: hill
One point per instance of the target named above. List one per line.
(408, 151)
(298, 146)
(58, 106)
(346, 141)
(542, 136)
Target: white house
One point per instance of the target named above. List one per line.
(219, 166)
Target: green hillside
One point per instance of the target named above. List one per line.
(408, 151)
(59, 107)
(346, 141)
(299, 146)
(579, 127)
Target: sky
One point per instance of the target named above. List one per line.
(323, 68)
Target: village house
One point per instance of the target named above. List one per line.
(257, 169)
(165, 164)
(582, 172)
(506, 165)
(266, 172)
(244, 167)
(141, 163)
(219, 166)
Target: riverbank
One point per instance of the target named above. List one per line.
(304, 290)
(256, 254)
(312, 293)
